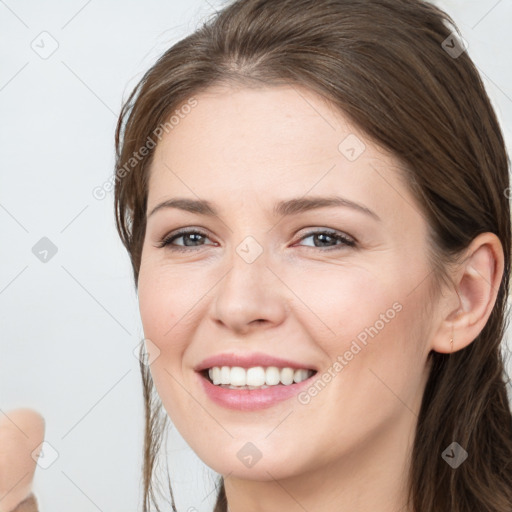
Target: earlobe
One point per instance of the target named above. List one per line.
(476, 284)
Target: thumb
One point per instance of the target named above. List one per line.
(21, 432)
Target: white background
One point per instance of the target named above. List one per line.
(69, 326)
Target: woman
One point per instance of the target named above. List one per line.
(365, 374)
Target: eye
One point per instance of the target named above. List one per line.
(195, 236)
(326, 235)
(184, 233)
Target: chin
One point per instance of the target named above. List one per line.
(257, 461)
(261, 471)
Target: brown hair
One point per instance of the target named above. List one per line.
(386, 65)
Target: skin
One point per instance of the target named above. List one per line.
(347, 449)
(21, 432)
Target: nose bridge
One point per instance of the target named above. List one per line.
(249, 290)
(248, 270)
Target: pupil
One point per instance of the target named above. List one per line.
(194, 235)
(322, 236)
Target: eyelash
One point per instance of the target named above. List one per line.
(346, 241)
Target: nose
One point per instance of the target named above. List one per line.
(249, 296)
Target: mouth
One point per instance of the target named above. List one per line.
(255, 378)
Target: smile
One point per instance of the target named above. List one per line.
(257, 377)
(228, 386)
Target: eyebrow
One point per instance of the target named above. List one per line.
(282, 208)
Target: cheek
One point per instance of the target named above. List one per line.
(344, 301)
(160, 312)
(163, 304)
(366, 318)
(166, 299)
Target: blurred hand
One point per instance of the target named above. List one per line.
(21, 432)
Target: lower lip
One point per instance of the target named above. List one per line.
(251, 399)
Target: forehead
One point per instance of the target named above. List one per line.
(259, 123)
(266, 141)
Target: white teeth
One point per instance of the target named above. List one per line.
(287, 376)
(300, 375)
(272, 376)
(238, 376)
(225, 375)
(257, 376)
(214, 374)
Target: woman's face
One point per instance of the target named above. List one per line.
(269, 277)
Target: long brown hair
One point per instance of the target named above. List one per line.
(398, 70)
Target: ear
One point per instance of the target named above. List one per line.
(466, 307)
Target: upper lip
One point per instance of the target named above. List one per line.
(249, 360)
